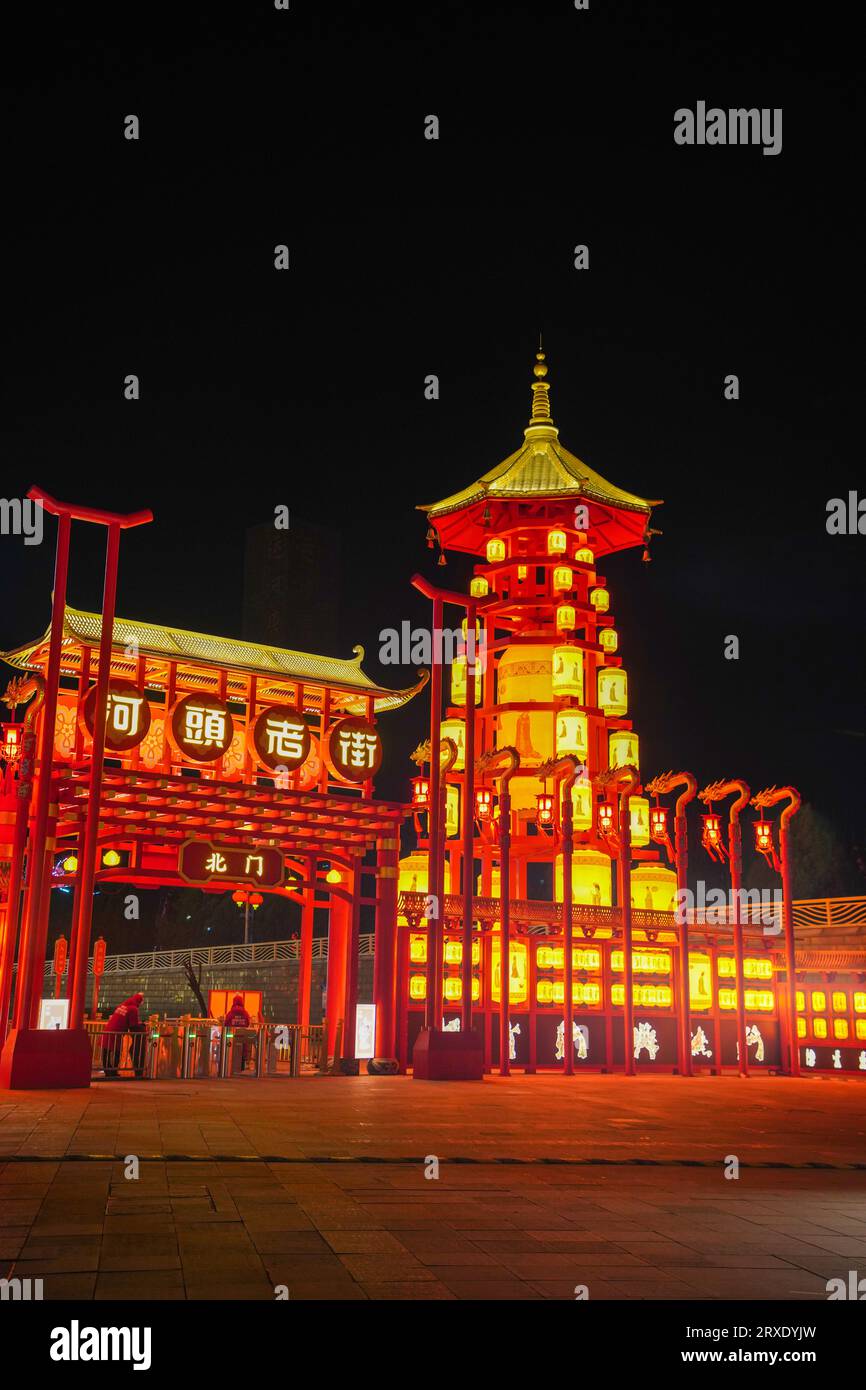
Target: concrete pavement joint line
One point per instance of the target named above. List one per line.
(414, 1160)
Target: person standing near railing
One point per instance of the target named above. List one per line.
(237, 1017)
(125, 1019)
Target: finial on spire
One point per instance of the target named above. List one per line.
(540, 390)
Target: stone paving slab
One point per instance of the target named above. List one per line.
(233, 1221)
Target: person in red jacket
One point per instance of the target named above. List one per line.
(125, 1019)
(237, 1016)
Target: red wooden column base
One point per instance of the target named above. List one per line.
(45, 1059)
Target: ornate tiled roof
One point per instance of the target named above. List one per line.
(200, 649)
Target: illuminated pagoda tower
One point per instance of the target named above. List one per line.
(549, 681)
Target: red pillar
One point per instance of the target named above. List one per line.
(338, 951)
(385, 963)
(30, 960)
(468, 826)
(681, 854)
(625, 908)
(353, 948)
(305, 963)
(790, 953)
(504, 928)
(90, 848)
(735, 839)
(567, 925)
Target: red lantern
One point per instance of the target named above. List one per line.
(421, 793)
(659, 824)
(712, 837)
(10, 749)
(763, 837)
(483, 803)
(256, 900)
(239, 897)
(544, 808)
(605, 818)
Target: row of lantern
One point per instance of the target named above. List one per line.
(646, 822)
(567, 678)
(563, 582)
(496, 548)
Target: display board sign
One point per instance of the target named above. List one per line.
(203, 861)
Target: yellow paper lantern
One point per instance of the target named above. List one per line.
(590, 878)
(608, 638)
(455, 729)
(584, 555)
(600, 600)
(613, 691)
(563, 578)
(479, 587)
(566, 618)
(623, 748)
(567, 669)
(495, 550)
(557, 542)
(653, 888)
(412, 875)
(518, 972)
(582, 802)
(571, 733)
(639, 822)
(458, 681)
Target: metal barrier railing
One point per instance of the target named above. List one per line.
(196, 1049)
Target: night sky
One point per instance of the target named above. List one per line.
(410, 257)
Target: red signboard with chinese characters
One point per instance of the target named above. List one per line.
(353, 749)
(99, 955)
(201, 728)
(279, 739)
(61, 947)
(202, 861)
(128, 717)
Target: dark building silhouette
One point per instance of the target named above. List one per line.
(286, 603)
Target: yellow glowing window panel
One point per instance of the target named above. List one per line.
(840, 1002)
(452, 988)
(859, 1001)
(417, 948)
(754, 968)
(860, 1028)
(801, 1027)
(454, 952)
(647, 996)
(757, 1000)
(819, 1027)
(553, 992)
(417, 987)
(840, 1027)
(819, 1001)
(700, 982)
(518, 972)
(801, 1001)
(553, 958)
(644, 962)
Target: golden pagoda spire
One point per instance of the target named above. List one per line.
(541, 418)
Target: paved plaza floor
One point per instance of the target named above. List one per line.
(545, 1184)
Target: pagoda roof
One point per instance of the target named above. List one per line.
(275, 667)
(541, 470)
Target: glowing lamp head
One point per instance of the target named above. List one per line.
(563, 578)
(522, 572)
(495, 550)
(712, 836)
(333, 876)
(600, 600)
(70, 864)
(544, 808)
(111, 858)
(483, 803)
(479, 587)
(420, 793)
(605, 818)
(763, 837)
(566, 619)
(557, 542)
(10, 749)
(658, 824)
